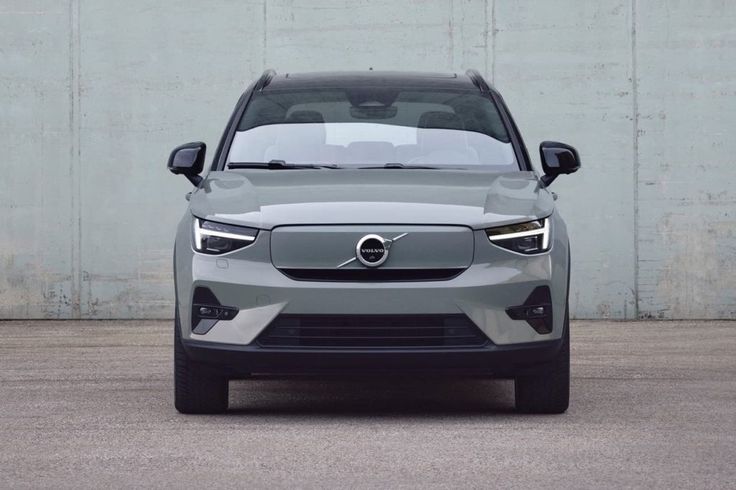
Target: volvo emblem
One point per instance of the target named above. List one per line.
(372, 250)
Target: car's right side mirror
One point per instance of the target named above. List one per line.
(557, 159)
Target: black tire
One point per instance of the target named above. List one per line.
(548, 392)
(196, 388)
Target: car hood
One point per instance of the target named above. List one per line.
(269, 198)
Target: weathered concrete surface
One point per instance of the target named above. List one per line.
(565, 70)
(93, 95)
(89, 404)
(36, 218)
(687, 159)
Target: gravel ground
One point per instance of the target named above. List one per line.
(89, 404)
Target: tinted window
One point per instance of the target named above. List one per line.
(374, 126)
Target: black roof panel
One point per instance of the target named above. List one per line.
(340, 79)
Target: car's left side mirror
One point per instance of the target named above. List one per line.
(188, 160)
(557, 159)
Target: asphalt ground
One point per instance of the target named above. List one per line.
(89, 404)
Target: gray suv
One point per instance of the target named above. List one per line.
(371, 222)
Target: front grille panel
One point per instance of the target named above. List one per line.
(421, 247)
(372, 331)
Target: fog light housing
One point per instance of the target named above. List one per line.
(207, 311)
(536, 310)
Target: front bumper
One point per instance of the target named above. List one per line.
(497, 360)
(247, 280)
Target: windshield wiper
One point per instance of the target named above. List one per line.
(277, 165)
(400, 166)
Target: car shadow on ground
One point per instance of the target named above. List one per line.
(374, 396)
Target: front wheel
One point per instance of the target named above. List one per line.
(196, 388)
(548, 392)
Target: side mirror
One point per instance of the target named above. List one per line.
(188, 160)
(557, 159)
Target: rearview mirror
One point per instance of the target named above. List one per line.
(557, 159)
(188, 160)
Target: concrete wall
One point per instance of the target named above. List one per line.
(94, 94)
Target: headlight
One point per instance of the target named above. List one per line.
(531, 237)
(218, 238)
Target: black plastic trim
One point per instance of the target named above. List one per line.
(496, 360)
(203, 298)
(218, 163)
(232, 122)
(223, 148)
(265, 79)
(371, 275)
(375, 331)
(478, 80)
(522, 155)
(541, 296)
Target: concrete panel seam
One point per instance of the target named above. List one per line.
(75, 161)
(451, 27)
(635, 124)
(485, 37)
(494, 31)
(265, 34)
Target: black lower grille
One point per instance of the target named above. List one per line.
(372, 331)
(387, 275)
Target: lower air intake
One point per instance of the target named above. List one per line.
(377, 275)
(372, 331)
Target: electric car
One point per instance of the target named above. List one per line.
(371, 222)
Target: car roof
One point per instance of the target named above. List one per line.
(345, 79)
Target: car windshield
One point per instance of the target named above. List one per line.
(373, 127)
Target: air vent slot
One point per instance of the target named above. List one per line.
(378, 275)
(372, 331)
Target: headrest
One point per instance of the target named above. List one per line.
(451, 138)
(370, 151)
(440, 120)
(305, 117)
(310, 133)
